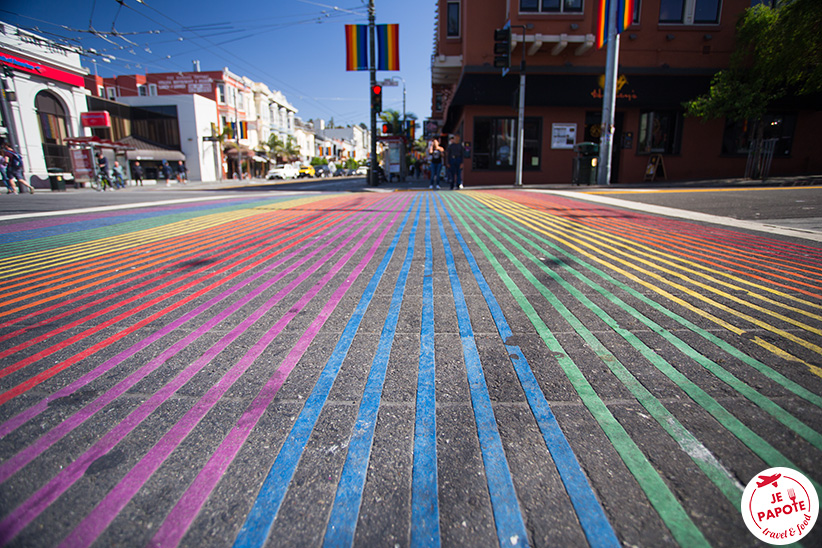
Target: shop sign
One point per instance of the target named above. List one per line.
(99, 118)
(41, 70)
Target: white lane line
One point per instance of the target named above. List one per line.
(690, 215)
(132, 206)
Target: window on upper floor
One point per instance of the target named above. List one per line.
(221, 93)
(142, 91)
(152, 90)
(452, 28)
(690, 12)
(550, 6)
(111, 93)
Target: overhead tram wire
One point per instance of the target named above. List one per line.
(238, 59)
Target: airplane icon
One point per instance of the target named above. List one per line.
(767, 480)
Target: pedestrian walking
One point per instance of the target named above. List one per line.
(454, 155)
(435, 151)
(119, 176)
(8, 183)
(165, 169)
(14, 170)
(137, 173)
(182, 172)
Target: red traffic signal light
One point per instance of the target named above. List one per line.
(376, 98)
(386, 129)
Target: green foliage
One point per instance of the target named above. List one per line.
(317, 161)
(778, 52)
(351, 163)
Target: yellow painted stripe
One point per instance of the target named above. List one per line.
(50, 258)
(523, 214)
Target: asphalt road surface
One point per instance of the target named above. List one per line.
(474, 368)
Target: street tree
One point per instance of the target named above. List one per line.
(778, 53)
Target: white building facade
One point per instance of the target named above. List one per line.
(43, 100)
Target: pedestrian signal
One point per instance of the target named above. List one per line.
(386, 129)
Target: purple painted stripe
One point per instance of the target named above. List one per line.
(15, 463)
(25, 416)
(96, 522)
(189, 505)
(125, 213)
(32, 507)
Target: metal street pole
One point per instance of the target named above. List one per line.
(521, 119)
(609, 99)
(521, 109)
(372, 67)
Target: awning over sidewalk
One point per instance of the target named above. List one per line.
(94, 141)
(147, 150)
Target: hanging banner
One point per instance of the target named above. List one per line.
(356, 47)
(625, 16)
(388, 47)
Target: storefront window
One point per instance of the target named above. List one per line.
(53, 132)
(495, 143)
(738, 136)
(659, 132)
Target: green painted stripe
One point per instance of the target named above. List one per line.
(665, 503)
(752, 440)
(764, 369)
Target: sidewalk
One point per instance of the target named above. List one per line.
(359, 184)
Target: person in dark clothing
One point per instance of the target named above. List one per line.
(14, 170)
(182, 172)
(137, 173)
(454, 154)
(166, 170)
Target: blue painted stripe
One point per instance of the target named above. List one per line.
(425, 513)
(257, 526)
(507, 515)
(590, 513)
(343, 520)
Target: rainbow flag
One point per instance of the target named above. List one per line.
(625, 17)
(356, 47)
(388, 47)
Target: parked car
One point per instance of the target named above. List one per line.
(362, 170)
(342, 172)
(322, 170)
(306, 171)
(282, 171)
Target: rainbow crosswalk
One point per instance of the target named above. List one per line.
(415, 368)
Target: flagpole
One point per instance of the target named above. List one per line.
(609, 97)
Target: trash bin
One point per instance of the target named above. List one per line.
(585, 164)
(58, 184)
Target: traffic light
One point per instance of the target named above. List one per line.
(502, 48)
(386, 128)
(376, 98)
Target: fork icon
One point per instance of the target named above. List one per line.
(792, 494)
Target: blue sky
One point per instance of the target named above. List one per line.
(295, 46)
